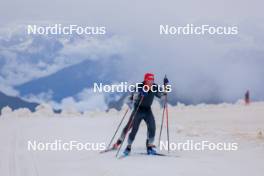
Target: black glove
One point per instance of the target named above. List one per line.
(165, 80)
(165, 83)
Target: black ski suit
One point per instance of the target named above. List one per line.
(144, 112)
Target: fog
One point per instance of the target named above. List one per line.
(201, 68)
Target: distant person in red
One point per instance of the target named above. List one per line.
(247, 97)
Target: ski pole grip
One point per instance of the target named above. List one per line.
(165, 83)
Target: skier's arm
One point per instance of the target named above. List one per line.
(133, 98)
(161, 94)
(130, 100)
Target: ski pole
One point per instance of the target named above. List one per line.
(161, 126)
(117, 128)
(129, 126)
(168, 135)
(165, 82)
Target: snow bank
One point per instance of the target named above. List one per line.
(215, 123)
(6, 111)
(45, 110)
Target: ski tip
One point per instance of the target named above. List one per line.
(107, 150)
(122, 156)
(160, 154)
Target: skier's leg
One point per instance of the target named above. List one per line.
(126, 128)
(124, 131)
(147, 141)
(150, 121)
(151, 125)
(135, 126)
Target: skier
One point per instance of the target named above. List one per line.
(247, 97)
(131, 102)
(144, 112)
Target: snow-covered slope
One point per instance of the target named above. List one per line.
(215, 123)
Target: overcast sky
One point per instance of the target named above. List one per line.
(197, 65)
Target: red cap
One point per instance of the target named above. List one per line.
(149, 77)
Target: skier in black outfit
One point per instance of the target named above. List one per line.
(144, 113)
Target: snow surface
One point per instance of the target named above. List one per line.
(224, 122)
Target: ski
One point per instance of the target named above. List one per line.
(123, 156)
(160, 154)
(108, 150)
(156, 154)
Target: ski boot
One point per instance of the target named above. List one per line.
(127, 150)
(117, 144)
(150, 150)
